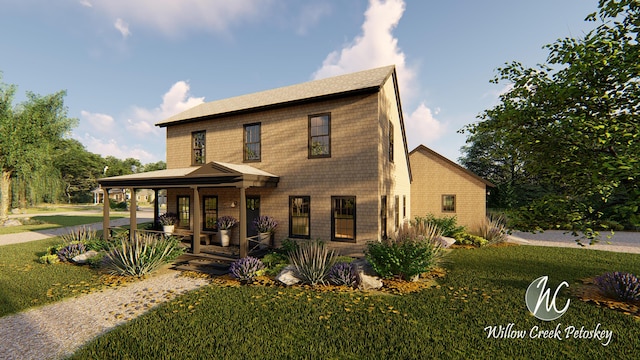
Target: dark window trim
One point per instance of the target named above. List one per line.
(333, 221)
(404, 206)
(454, 203)
(309, 138)
(391, 141)
(204, 214)
(244, 142)
(291, 234)
(193, 148)
(397, 210)
(179, 213)
(383, 217)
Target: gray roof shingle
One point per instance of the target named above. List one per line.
(358, 81)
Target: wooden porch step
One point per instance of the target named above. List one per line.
(205, 263)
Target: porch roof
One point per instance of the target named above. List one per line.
(213, 174)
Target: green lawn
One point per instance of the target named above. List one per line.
(26, 283)
(56, 221)
(483, 287)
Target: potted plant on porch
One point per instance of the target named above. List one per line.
(225, 223)
(168, 222)
(265, 225)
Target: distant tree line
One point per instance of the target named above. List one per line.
(563, 144)
(40, 163)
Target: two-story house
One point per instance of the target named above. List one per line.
(327, 159)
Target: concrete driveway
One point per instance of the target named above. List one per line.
(620, 241)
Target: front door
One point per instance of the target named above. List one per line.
(253, 211)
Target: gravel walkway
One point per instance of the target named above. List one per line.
(57, 330)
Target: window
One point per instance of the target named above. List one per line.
(397, 211)
(210, 213)
(343, 218)
(383, 216)
(390, 141)
(184, 212)
(198, 140)
(404, 206)
(252, 142)
(299, 217)
(319, 136)
(448, 203)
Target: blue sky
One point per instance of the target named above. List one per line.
(127, 64)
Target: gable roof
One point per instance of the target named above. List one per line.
(210, 174)
(430, 153)
(362, 81)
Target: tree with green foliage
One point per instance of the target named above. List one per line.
(79, 170)
(29, 133)
(573, 122)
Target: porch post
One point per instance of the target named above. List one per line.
(156, 208)
(195, 244)
(105, 214)
(244, 245)
(133, 221)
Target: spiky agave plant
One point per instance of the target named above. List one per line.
(312, 262)
(343, 274)
(140, 255)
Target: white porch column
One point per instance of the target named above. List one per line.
(105, 214)
(195, 244)
(133, 221)
(244, 244)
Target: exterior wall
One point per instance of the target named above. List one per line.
(394, 179)
(434, 177)
(352, 169)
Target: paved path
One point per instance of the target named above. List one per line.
(26, 236)
(621, 241)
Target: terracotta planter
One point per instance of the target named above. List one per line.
(224, 237)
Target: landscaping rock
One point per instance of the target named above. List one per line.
(367, 277)
(12, 222)
(288, 276)
(446, 241)
(84, 257)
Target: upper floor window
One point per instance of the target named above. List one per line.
(390, 141)
(448, 203)
(319, 136)
(252, 142)
(198, 139)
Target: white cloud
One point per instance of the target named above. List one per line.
(176, 100)
(375, 47)
(111, 147)
(422, 126)
(122, 27)
(310, 16)
(85, 3)
(99, 122)
(139, 126)
(173, 17)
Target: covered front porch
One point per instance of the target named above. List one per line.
(194, 183)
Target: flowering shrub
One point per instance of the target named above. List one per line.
(265, 224)
(619, 285)
(70, 251)
(226, 222)
(343, 274)
(246, 269)
(168, 219)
